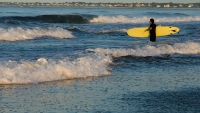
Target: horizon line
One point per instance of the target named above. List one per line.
(103, 2)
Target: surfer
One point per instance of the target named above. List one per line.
(152, 30)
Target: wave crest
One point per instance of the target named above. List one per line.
(47, 19)
(16, 34)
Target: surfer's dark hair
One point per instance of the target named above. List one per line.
(152, 20)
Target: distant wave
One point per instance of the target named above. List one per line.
(15, 34)
(83, 19)
(149, 50)
(43, 70)
(48, 19)
(164, 14)
(124, 19)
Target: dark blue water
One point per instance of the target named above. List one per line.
(58, 59)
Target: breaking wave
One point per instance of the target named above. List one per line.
(43, 70)
(149, 50)
(124, 19)
(16, 34)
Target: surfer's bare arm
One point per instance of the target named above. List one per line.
(149, 29)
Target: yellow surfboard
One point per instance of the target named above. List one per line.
(160, 31)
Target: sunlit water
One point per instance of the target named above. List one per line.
(58, 59)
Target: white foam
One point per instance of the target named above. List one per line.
(124, 19)
(112, 31)
(148, 50)
(13, 72)
(15, 34)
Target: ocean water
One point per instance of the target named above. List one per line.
(66, 59)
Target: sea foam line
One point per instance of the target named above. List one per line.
(124, 19)
(16, 34)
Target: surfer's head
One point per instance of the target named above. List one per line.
(151, 21)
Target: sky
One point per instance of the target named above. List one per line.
(96, 1)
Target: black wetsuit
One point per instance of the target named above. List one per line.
(153, 33)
